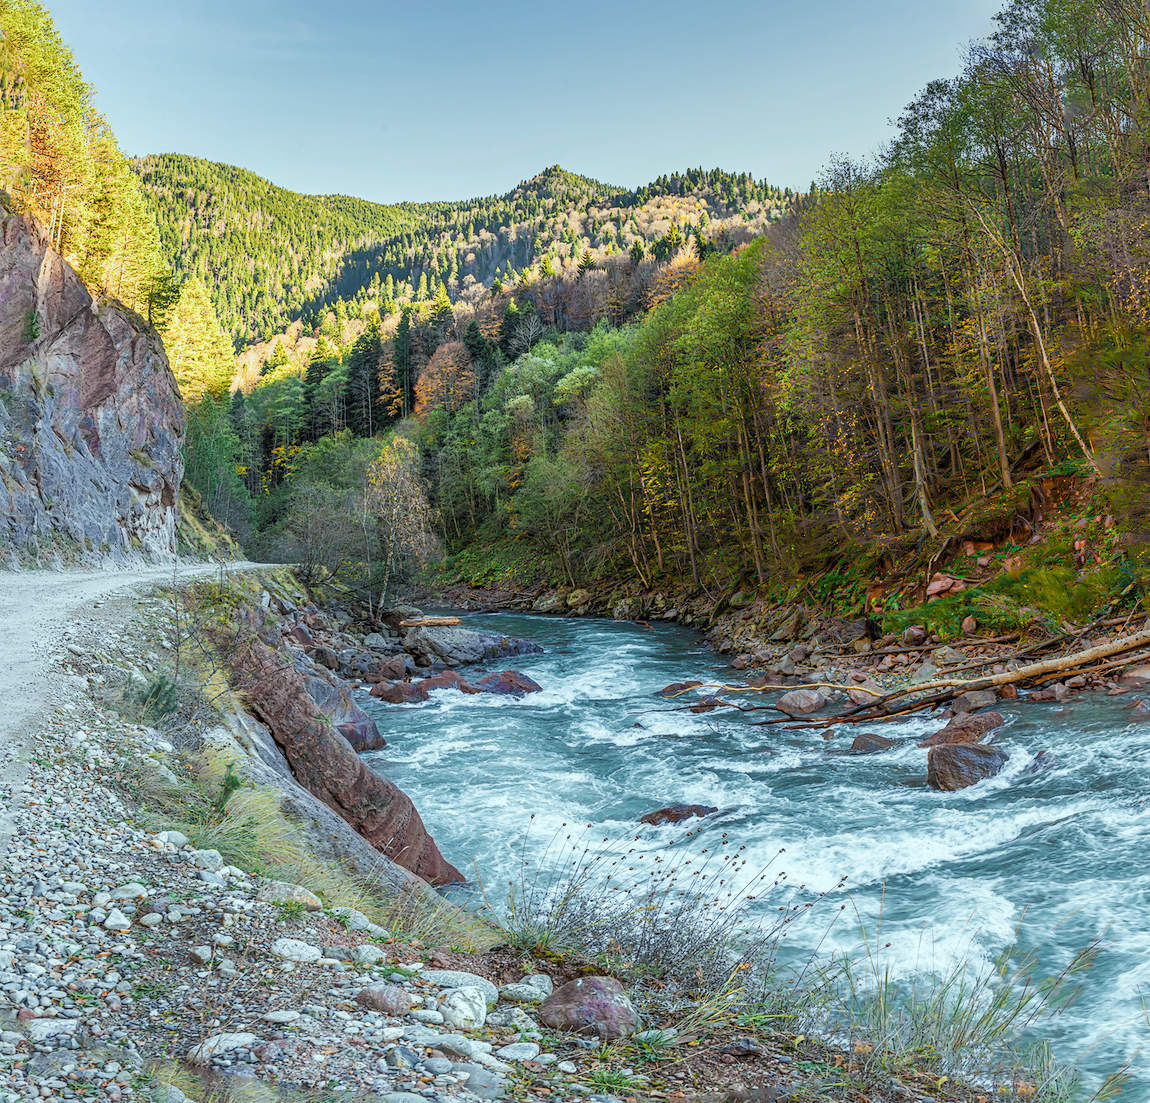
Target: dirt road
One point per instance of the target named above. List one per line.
(35, 609)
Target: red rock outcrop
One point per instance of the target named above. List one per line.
(325, 764)
(91, 415)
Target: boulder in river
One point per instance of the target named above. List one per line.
(709, 704)
(461, 646)
(591, 1005)
(974, 699)
(801, 702)
(1141, 709)
(966, 728)
(677, 813)
(869, 743)
(960, 765)
(676, 688)
(509, 683)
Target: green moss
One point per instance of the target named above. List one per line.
(1045, 595)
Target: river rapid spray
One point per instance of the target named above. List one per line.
(1051, 858)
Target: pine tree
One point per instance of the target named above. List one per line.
(199, 351)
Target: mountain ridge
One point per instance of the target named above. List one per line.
(271, 256)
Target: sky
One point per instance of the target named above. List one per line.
(422, 101)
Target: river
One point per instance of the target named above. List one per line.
(1049, 859)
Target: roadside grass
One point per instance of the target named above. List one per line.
(683, 929)
(248, 826)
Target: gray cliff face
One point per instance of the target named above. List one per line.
(90, 417)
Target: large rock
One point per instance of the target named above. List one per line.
(677, 813)
(974, 699)
(959, 765)
(591, 1005)
(333, 698)
(801, 702)
(388, 998)
(870, 743)
(509, 683)
(90, 417)
(967, 728)
(462, 646)
(325, 764)
(459, 978)
(464, 1008)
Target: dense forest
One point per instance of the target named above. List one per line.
(271, 256)
(924, 329)
(704, 382)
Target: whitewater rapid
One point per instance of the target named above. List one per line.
(1049, 859)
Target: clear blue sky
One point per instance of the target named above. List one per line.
(418, 100)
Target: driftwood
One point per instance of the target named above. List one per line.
(1090, 660)
(430, 622)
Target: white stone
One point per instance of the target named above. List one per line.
(518, 1051)
(453, 978)
(219, 1043)
(464, 1008)
(367, 954)
(210, 860)
(131, 891)
(117, 921)
(292, 949)
(40, 1030)
(522, 993)
(284, 892)
(282, 1017)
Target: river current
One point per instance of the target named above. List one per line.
(1046, 859)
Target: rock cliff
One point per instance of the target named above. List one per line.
(90, 415)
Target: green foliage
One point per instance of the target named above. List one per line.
(1048, 596)
(159, 697)
(59, 161)
(31, 326)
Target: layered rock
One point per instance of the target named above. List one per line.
(324, 763)
(90, 416)
(462, 646)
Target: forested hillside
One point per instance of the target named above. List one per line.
(930, 330)
(272, 256)
(59, 161)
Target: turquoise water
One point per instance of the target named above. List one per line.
(1055, 857)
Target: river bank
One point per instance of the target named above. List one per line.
(162, 856)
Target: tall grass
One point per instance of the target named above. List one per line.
(709, 929)
(677, 911)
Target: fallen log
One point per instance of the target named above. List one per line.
(950, 688)
(431, 622)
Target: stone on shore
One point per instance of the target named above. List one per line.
(591, 1005)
